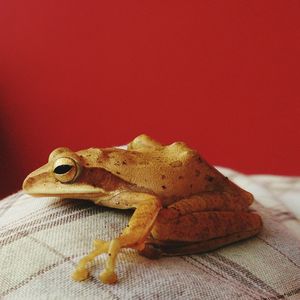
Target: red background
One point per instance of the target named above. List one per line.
(221, 75)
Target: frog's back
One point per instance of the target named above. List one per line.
(174, 171)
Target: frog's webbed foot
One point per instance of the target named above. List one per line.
(108, 275)
(81, 272)
(133, 236)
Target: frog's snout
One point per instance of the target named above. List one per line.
(34, 182)
(27, 183)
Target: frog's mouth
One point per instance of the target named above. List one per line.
(82, 191)
(41, 183)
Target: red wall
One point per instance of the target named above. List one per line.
(221, 75)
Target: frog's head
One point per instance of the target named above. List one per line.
(71, 174)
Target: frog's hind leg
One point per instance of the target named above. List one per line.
(154, 248)
(133, 236)
(196, 232)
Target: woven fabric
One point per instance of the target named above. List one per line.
(42, 239)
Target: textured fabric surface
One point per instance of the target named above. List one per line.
(41, 240)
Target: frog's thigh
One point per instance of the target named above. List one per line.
(199, 231)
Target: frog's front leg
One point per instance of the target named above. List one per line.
(196, 225)
(133, 236)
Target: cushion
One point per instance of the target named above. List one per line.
(42, 239)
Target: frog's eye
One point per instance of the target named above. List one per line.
(65, 169)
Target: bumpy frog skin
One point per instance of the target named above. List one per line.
(182, 204)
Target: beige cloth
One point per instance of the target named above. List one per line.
(42, 239)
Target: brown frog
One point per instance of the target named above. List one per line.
(182, 204)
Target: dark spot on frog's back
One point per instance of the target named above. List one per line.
(176, 164)
(209, 178)
(163, 176)
(197, 173)
(163, 187)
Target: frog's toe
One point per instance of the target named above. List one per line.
(80, 274)
(109, 277)
(99, 243)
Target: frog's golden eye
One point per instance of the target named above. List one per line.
(65, 169)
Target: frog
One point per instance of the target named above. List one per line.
(182, 204)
